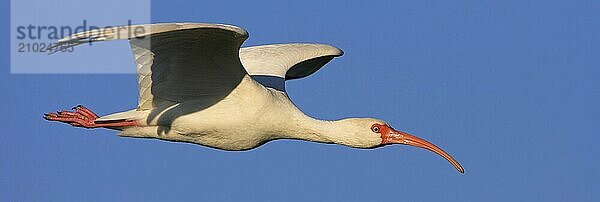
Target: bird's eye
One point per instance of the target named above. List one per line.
(375, 129)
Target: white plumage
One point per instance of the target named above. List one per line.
(197, 85)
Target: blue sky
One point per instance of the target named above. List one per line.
(509, 88)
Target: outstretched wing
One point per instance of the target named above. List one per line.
(272, 64)
(178, 61)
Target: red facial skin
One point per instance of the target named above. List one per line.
(391, 136)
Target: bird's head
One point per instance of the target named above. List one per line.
(371, 133)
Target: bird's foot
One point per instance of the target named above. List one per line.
(81, 116)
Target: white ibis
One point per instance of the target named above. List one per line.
(197, 85)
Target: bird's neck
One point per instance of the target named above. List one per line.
(294, 124)
(309, 129)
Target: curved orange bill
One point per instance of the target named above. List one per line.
(396, 137)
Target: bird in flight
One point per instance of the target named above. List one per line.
(197, 85)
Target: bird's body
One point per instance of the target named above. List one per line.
(246, 118)
(197, 85)
(230, 124)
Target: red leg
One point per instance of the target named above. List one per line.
(83, 117)
(85, 111)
